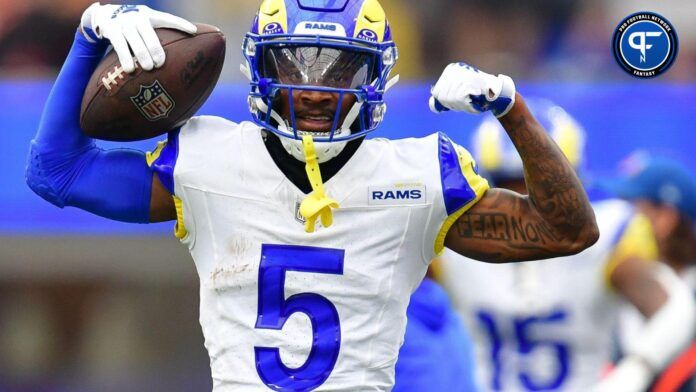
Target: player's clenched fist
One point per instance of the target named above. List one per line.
(131, 28)
(464, 88)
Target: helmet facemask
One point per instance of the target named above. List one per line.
(349, 68)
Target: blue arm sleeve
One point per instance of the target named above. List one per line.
(66, 168)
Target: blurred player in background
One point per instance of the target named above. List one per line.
(437, 354)
(664, 191)
(548, 325)
(247, 196)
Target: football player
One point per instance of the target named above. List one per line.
(547, 326)
(297, 293)
(437, 354)
(664, 190)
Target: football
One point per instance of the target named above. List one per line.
(118, 106)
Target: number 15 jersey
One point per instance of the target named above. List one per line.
(547, 325)
(282, 309)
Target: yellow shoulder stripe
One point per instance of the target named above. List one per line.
(637, 242)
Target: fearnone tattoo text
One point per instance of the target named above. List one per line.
(503, 227)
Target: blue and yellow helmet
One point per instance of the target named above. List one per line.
(498, 158)
(338, 46)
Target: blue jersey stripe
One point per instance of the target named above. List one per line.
(164, 164)
(455, 188)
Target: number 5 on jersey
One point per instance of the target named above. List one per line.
(274, 310)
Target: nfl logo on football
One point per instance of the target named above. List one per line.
(153, 101)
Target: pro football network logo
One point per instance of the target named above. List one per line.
(153, 101)
(645, 44)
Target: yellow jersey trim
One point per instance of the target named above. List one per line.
(180, 231)
(637, 242)
(449, 222)
(477, 183)
(151, 157)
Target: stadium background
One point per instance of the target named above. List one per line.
(87, 304)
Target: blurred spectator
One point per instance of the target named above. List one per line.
(531, 40)
(35, 35)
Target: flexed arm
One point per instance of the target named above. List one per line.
(555, 219)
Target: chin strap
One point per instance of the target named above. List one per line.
(316, 204)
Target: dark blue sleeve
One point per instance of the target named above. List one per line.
(66, 168)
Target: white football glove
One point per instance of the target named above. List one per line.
(131, 28)
(464, 88)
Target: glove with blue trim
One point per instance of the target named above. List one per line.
(131, 28)
(466, 89)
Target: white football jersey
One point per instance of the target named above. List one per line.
(282, 309)
(541, 325)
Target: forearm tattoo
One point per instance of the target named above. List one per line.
(554, 219)
(554, 188)
(505, 229)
